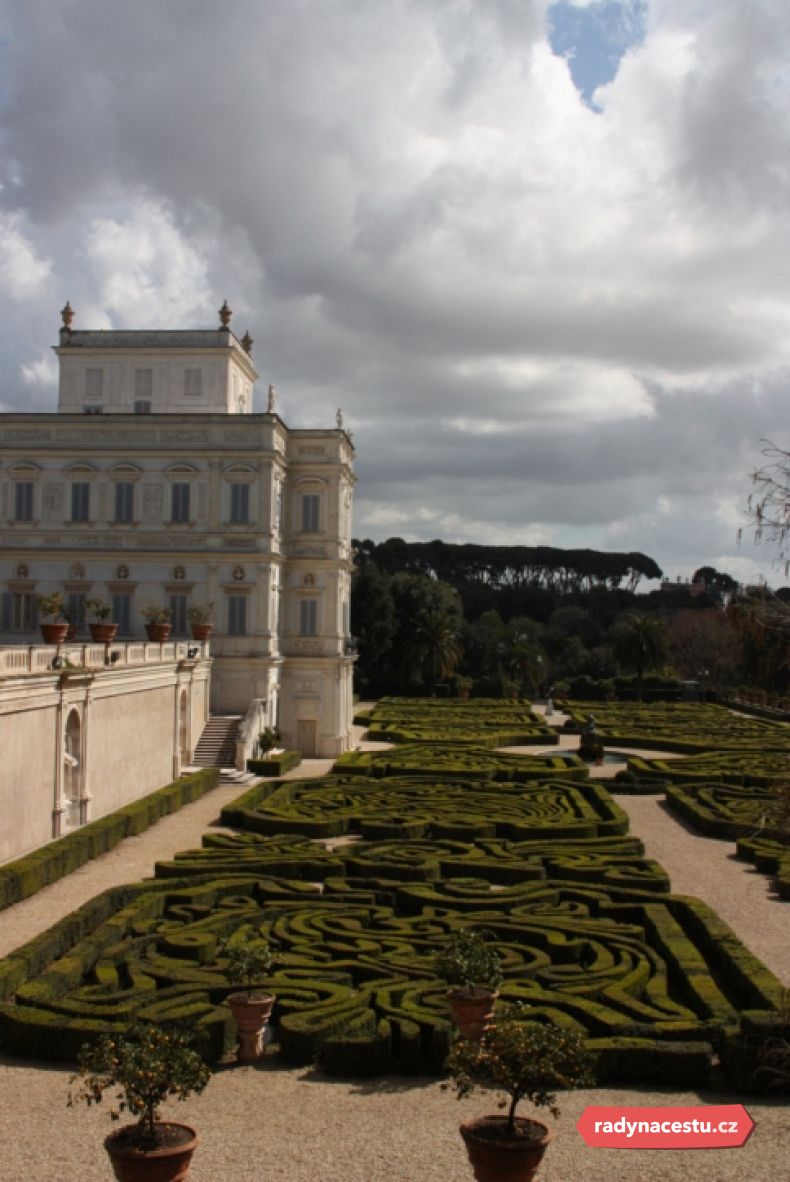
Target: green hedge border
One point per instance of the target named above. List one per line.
(26, 876)
(275, 765)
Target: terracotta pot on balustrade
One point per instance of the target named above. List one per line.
(158, 632)
(54, 633)
(104, 633)
(202, 632)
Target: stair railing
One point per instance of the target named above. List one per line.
(250, 727)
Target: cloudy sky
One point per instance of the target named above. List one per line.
(538, 252)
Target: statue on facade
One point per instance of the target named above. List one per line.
(339, 419)
(271, 402)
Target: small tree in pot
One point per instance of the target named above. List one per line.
(53, 608)
(201, 620)
(268, 739)
(248, 957)
(101, 628)
(473, 970)
(157, 622)
(525, 1061)
(146, 1065)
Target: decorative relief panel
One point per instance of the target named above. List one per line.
(52, 502)
(153, 501)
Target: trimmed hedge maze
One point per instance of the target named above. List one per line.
(410, 807)
(770, 857)
(486, 722)
(756, 769)
(655, 981)
(467, 762)
(356, 878)
(678, 726)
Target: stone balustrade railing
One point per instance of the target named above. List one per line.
(43, 658)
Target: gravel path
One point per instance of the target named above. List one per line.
(271, 1123)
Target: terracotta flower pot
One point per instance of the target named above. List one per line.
(158, 632)
(202, 631)
(104, 633)
(54, 633)
(251, 1013)
(497, 1157)
(170, 1163)
(472, 1011)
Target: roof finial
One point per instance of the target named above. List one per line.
(225, 314)
(67, 312)
(247, 343)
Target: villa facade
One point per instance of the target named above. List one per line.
(156, 484)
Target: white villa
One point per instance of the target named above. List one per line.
(155, 484)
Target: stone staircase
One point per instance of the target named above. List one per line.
(217, 745)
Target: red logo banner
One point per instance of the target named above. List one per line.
(714, 1126)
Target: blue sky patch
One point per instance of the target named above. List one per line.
(594, 38)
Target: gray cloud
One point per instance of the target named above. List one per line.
(538, 319)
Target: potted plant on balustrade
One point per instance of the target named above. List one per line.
(472, 968)
(525, 1060)
(54, 609)
(201, 620)
(101, 629)
(157, 622)
(146, 1064)
(248, 957)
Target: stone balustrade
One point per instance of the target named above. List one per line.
(43, 658)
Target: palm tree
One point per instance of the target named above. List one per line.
(640, 644)
(432, 648)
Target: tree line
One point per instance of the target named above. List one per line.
(521, 620)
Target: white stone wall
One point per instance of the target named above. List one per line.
(126, 719)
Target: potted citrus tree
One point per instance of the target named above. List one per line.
(145, 1065)
(524, 1061)
(55, 626)
(201, 620)
(472, 969)
(102, 631)
(248, 957)
(268, 739)
(157, 622)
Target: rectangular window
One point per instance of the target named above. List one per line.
(178, 614)
(240, 503)
(94, 383)
(193, 382)
(75, 606)
(122, 613)
(237, 615)
(310, 504)
(308, 617)
(80, 501)
(23, 500)
(124, 502)
(179, 502)
(142, 406)
(143, 383)
(19, 613)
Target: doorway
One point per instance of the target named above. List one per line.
(306, 737)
